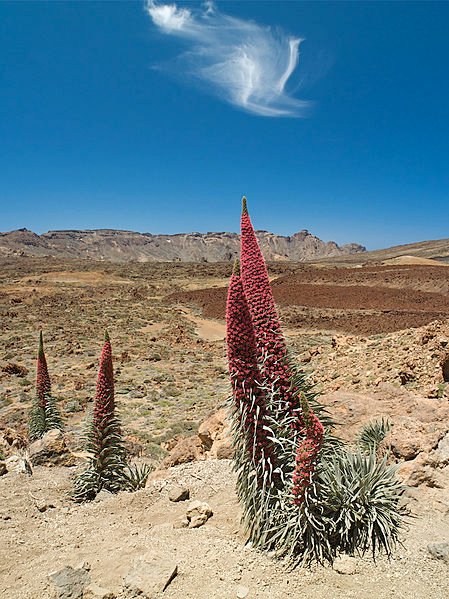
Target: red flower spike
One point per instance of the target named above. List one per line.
(243, 368)
(43, 385)
(104, 397)
(271, 346)
(307, 452)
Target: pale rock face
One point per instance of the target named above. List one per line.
(441, 454)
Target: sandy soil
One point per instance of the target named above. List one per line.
(414, 260)
(366, 300)
(212, 561)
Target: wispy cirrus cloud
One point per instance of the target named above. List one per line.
(244, 63)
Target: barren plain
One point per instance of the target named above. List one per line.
(374, 338)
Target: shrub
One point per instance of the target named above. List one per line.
(107, 468)
(304, 494)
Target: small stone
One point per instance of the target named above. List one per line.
(197, 508)
(179, 494)
(70, 582)
(345, 564)
(3, 468)
(198, 513)
(43, 505)
(242, 592)
(197, 521)
(439, 550)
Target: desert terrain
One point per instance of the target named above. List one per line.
(373, 336)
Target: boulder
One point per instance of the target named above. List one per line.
(187, 449)
(211, 428)
(69, 583)
(51, 450)
(215, 435)
(151, 574)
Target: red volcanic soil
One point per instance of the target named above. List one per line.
(369, 300)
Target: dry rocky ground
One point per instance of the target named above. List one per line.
(170, 376)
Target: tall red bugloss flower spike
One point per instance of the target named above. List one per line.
(104, 398)
(270, 341)
(243, 369)
(44, 414)
(104, 442)
(43, 385)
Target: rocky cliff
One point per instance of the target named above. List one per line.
(125, 246)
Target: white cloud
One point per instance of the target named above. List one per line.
(242, 62)
(168, 17)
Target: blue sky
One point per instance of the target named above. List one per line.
(158, 119)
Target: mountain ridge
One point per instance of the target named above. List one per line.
(123, 246)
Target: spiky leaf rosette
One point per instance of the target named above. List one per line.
(373, 434)
(44, 414)
(104, 441)
(136, 476)
(351, 504)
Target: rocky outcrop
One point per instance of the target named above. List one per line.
(51, 450)
(215, 435)
(212, 441)
(126, 246)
